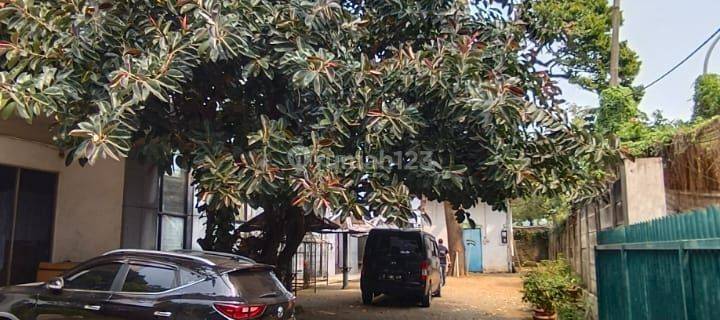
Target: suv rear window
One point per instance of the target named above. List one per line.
(395, 244)
(254, 284)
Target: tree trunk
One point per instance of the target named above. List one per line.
(273, 234)
(455, 241)
(219, 231)
(208, 243)
(283, 224)
(294, 234)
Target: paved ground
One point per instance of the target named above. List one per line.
(492, 297)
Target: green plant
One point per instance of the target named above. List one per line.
(572, 311)
(552, 286)
(540, 206)
(707, 96)
(530, 236)
(639, 135)
(617, 107)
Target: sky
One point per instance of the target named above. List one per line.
(663, 32)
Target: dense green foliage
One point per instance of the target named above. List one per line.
(617, 107)
(572, 40)
(639, 135)
(301, 107)
(648, 137)
(707, 96)
(552, 286)
(540, 206)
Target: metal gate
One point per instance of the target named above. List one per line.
(667, 268)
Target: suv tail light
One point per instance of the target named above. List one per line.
(424, 270)
(239, 311)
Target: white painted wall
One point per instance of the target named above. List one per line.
(495, 254)
(88, 211)
(436, 211)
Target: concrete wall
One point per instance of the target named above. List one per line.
(496, 256)
(643, 189)
(89, 200)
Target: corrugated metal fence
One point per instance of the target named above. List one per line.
(667, 268)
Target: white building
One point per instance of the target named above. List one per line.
(50, 212)
(491, 254)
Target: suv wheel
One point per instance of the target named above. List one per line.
(367, 297)
(425, 300)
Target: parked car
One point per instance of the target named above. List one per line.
(401, 263)
(142, 284)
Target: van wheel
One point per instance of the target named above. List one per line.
(425, 301)
(367, 297)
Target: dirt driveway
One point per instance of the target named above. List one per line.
(495, 297)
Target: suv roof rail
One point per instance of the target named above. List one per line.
(165, 253)
(217, 254)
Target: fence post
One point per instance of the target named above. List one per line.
(626, 278)
(686, 282)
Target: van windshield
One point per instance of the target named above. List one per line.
(397, 244)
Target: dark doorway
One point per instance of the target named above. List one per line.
(27, 211)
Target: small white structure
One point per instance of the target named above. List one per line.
(491, 228)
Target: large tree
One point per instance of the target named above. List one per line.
(570, 39)
(300, 107)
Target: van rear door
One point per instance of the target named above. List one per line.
(396, 256)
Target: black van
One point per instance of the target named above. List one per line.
(401, 263)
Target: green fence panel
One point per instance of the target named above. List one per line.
(612, 292)
(705, 280)
(667, 268)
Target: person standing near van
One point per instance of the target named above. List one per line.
(443, 252)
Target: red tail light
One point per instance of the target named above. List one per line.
(239, 311)
(424, 270)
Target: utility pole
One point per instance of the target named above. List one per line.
(709, 53)
(615, 45)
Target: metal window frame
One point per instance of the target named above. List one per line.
(187, 215)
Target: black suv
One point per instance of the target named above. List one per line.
(402, 263)
(142, 284)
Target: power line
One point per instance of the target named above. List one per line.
(684, 60)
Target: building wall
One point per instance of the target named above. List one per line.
(89, 200)
(496, 255)
(334, 266)
(436, 211)
(643, 189)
